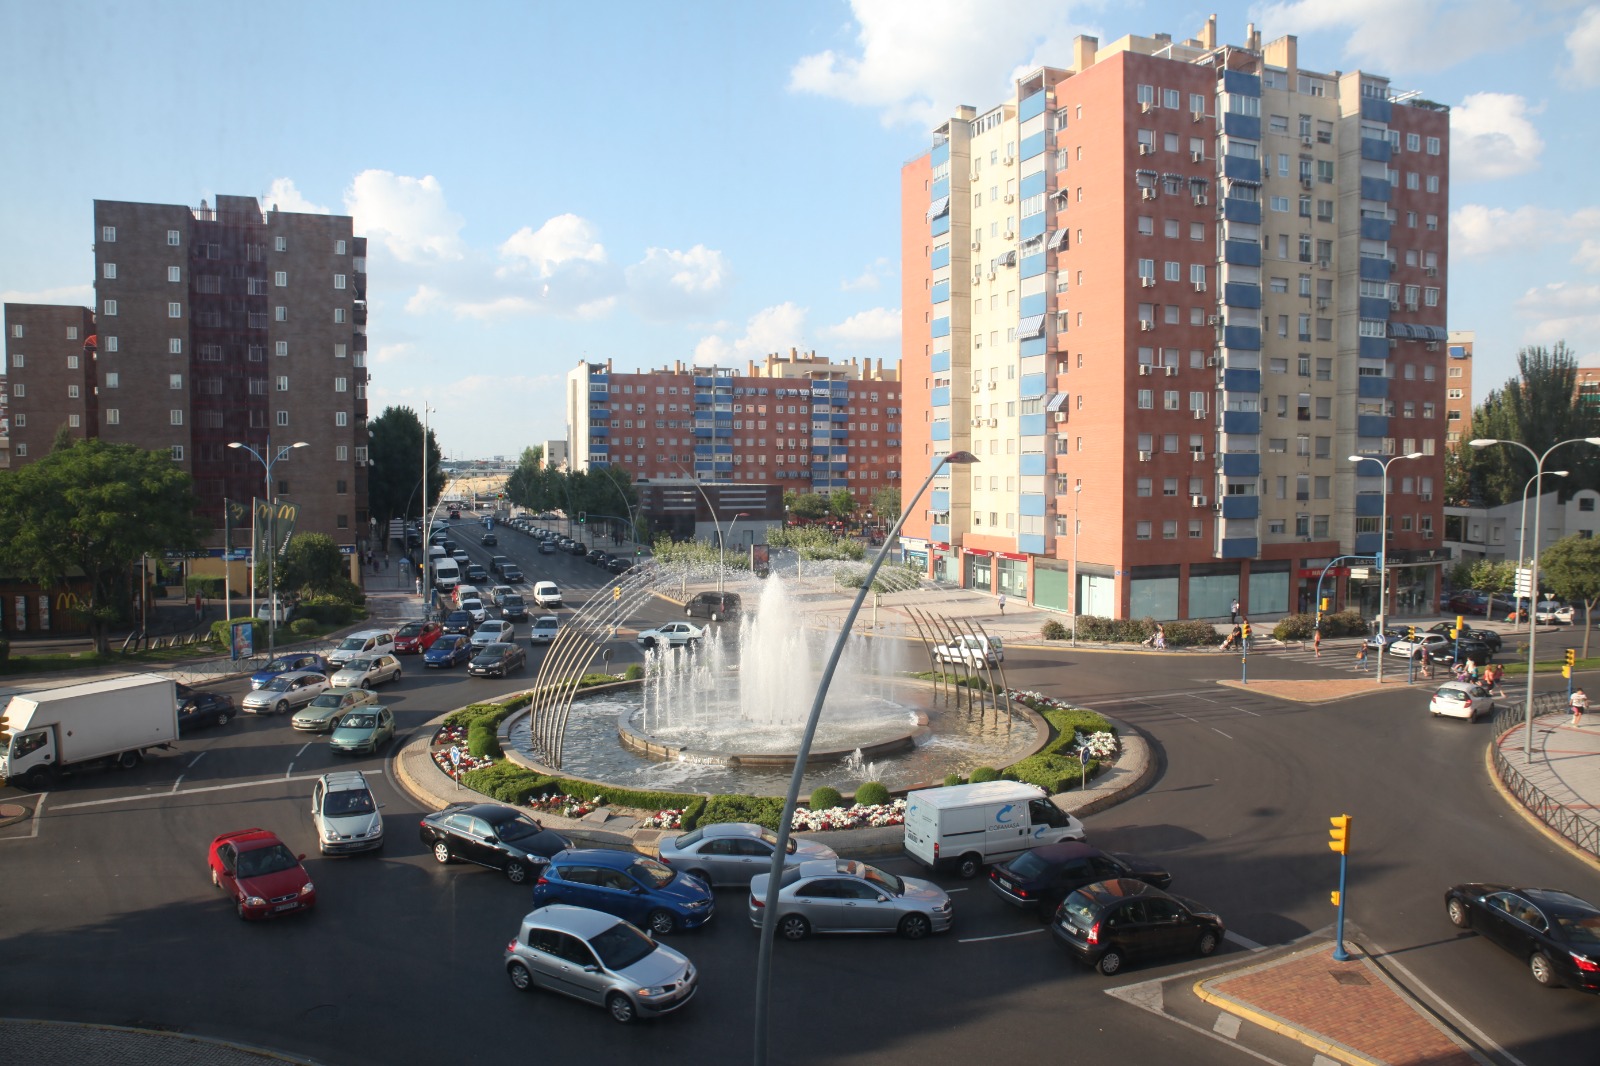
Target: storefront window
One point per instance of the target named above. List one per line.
(979, 572)
(1014, 577)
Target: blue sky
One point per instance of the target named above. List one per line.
(543, 183)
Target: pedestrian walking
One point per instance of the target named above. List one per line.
(1233, 612)
(419, 586)
(1419, 659)
(1161, 637)
(199, 607)
(1002, 602)
(1361, 656)
(1580, 703)
(1316, 639)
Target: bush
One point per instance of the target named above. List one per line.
(872, 793)
(1348, 623)
(326, 609)
(514, 784)
(692, 814)
(481, 739)
(952, 780)
(474, 711)
(212, 588)
(1053, 773)
(1189, 634)
(984, 773)
(1053, 630)
(1114, 630)
(635, 672)
(222, 632)
(304, 627)
(762, 810)
(1294, 627)
(824, 798)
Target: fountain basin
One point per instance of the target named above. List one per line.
(665, 749)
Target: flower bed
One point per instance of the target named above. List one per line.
(667, 819)
(449, 737)
(857, 817)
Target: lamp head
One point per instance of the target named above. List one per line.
(235, 444)
(1592, 440)
(1556, 473)
(300, 444)
(1360, 458)
(1412, 455)
(960, 459)
(1482, 442)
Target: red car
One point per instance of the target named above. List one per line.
(264, 877)
(414, 638)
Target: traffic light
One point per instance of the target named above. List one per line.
(1327, 603)
(583, 516)
(1571, 661)
(1339, 835)
(1245, 631)
(1335, 897)
(616, 592)
(1411, 633)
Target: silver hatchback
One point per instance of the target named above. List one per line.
(731, 853)
(845, 896)
(599, 959)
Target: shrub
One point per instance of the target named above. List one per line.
(984, 773)
(304, 627)
(871, 794)
(824, 798)
(1053, 773)
(474, 711)
(1294, 627)
(481, 739)
(635, 672)
(762, 810)
(951, 780)
(1347, 623)
(327, 609)
(1114, 630)
(212, 588)
(1053, 630)
(1189, 634)
(221, 630)
(692, 814)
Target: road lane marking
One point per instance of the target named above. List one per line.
(302, 751)
(287, 772)
(955, 890)
(1382, 957)
(1214, 729)
(38, 811)
(1243, 941)
(1000, 936)
(192, 791)
(1226, 1025)
(194, 760)
(175, 785)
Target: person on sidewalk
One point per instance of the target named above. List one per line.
(1233, 612)
(1001, 600)
(1316, 639)
(1580, 703)
(1158, 639)
(1234, 639)
(1361, 656)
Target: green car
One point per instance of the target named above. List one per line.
(322, 714)
(363, 730)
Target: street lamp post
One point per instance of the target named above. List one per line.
(1533, 584)
(1522, 541)
(1383, 548)
(722, 541)
(769, 914)
(1077, 495)
(268, 461)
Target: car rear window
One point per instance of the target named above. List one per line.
(1081, 909)
(1029, 865)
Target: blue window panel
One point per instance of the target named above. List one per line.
(939, 226)
(1376, 108)
(940, 154)
(819, 454)
(839, 451)
(939, 533)
(1031, 146)
(1031, 463)
(1244, 211)
(1373, 307)
(1374, 149)
(704, 383)
(1033, 346)
(1238, 548)
(1031, 425)
(938, 189)
(1372, 425)
(1031, 504)
(1242, 253)
(1030, 106)
(720, 432)
(1369, 387)
(1237, 81)
(941, 257)
(1032, 385)
(1241, 464)
(1375, 229)
(1246, 127)
(939, 397)
(939, 430)
(839, 434)
(1245, 338)
(939, 499)
(1242, 169)
(1031, 543)
(1241, 294)
(1031, 266)
(720, 467)
(722, 416)
(1374, 347)
(1374, 269)
(600, 431)
(1243, 379)
(1032, 305)
(1032, 185)
(702, 431)
(1376, 189)
(1241, 422)
(941, 327)
(702, 449)
(939, 361)
(1241, 507)
(941, 292)
(1369, 504)
(600, 448)
(840, 417)
(1032, 226)
(1368, 543)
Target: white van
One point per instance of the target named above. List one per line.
(446, 574)
(964, 827)
(366, 643)
(546, 594)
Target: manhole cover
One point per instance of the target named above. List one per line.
(1349, 977)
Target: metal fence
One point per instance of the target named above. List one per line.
(1558, 816)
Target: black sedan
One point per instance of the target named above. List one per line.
(458, 622)
(619, 564)
(197, 708)
(501, 838)
(577, 548)
(476, 574)
(490, 540)
(1555, 933)
(1111, 923)
(498, 660)
(596, 557)
(1040, 879)
(1488, 636)
(1462, 649)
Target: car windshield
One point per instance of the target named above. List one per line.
(328, 699)
(650, 873)
(886, 881)
(689, 839)
(518, 828)
(339, 804)
(449, 643)
(278, 684)
(511, 601)
(1451, 692)
(262, 861)
(279, 665)
(360, 664)
(621, 946)
(359, 721)
(772, 840)
(410, 629)
(1581, 929)
(353, 644)
(1081, 909)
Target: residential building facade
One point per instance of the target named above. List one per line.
(1458, 387)
(50, 372)
(1508, 531)
(1169, 290)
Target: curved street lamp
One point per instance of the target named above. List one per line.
(1383, 545)
(269, 461)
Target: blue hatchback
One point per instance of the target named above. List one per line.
(628, 885)
(288, 664)
(451, 649)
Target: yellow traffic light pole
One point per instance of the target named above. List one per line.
(1339, 841)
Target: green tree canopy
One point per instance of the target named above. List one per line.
(1539, 407)
(810, 505)
(1571, 568)
(312, 564)
(394, 480)
(886, 505)
(841, 504)
(95, 508)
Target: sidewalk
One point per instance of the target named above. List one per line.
(1560, 787)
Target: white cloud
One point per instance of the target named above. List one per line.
(1583, 48)
(406, 216)
(1562, 311)
(869, 278)
(668, 283)
(878, 324)
(283, 196)
(1491, 137)
(917, 62)
(392, 354)
(1418, 35)
(561, 240)
(80, 295)
(772, 329)
(470, 413)
(1478, 230)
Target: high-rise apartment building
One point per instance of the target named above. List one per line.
(1458, 387)
(1588, 387)
(213, 325)
(798, 421)
(1165, 293)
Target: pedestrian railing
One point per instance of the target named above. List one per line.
(1553, 813)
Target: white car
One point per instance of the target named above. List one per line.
(544, 629)
(1460, 699)
(1431, 641)
(285, 692)
(1551, 612)
(368, 672)
(493, 631)
(474, 606)
(546, 594)
(345, 814)
(673, 635)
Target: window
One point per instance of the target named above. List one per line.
(177, 453)
(1278, 203)
(108, 234)
(281, 348)
(1170, 98)
(283, 382)
(1169, 228)
(338, 247)
(19, 360)
(281, 314)
(1147, 226)
(1413, 179)
(1169, 486)
(174, 310)
(175, 416)
(1144, 486)
(109, 307)
(283, 418)
(174, 238)
(174, 381)
(338, 281)
(341, 418)
(341, 384)
(72, 392)
(280, 278)
(109, 271)
(1433, 183)
(1141, 531)
(1146, 399)
(1174, 271)
(278, 244)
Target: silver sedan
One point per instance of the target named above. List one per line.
(731, 853)
(286, 691)
(845, 896)
(599, 959)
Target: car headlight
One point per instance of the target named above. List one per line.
(254, 901)
(648, 992)
(695, 905)
(307, 888)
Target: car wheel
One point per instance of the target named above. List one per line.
(521, 979)
(282, 707)
(441, 852)
(704, 877)
(793, 927)
(1208, 943)
(661, 922)
(128, 760)
(516, 872)
(365, 684)
(1110, 962)
(688, 612)
(968, 866)
(915, 926)
(647, 643)
(716, 617)
(621, 1008)
(1460, 917)
(1542, 971)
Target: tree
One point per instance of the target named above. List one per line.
(312, 564)
(841, 504)
(1571, 568)
(95, 508)
(1493, 578)
(886, 505)
(522, 487)
(394, 479)
(810, 505)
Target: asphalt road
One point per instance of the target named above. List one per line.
(109, 915)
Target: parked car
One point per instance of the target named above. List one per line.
(452, 649)
(1040, 879)
(578, 547)
(1488, 636)
(1406, 646)
(493, 631)
(672, 635)
(498, 660)
(1555, 933)
(1389, 637)
(345, 814)
(1553, 613)
(489, 834)
(514, 608)
(200, 708)
(599, 959)
(1110, 923)
(286, 691)
(731, 853)
(459, 622)
(547, 546)
(1461, 699)
(546, 594)
(846, 896)
(595, 557)
(288, 664)
(367, 672)
(322, 714)
(717, 606)
(264, 878)
(628, 885)
(476, 573)
(362, 731)
(1469, 602)
(414, 638)
(620, 564)
(544, 629)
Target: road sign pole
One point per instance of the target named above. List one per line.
(1339, 953)
(1244, 666)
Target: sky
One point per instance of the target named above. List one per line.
(543, 183)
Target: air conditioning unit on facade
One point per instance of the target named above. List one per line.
(1172, 371)
(1197, 116)
(1432, 346)
(1008, 161)
(1200, 415)
(1199, 501)
(1212, 360)
(993, 385)
(1144, 370)
(1427, 534)
(1305, 183)
(1394, 305)
(1306, 141)
(1061, 416)
(1010, 198)
(1198, 457)
(1008, 235)
(1425, 496)
(1201, 200)
(993, 422)
(1199, 286)
(1147, 149)
(1324, 264)
(1432, 272)
(1146, 107)
(1197, 157)
(976, 175)
(991, 275)
(1213, 320)
(1147, 194)
(1323, 302)
(1144, 457)
(1145, 325)
(1148, 283)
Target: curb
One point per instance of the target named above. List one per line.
(239, 1052)
(1511, 801)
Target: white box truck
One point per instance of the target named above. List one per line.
(446, 574)
(964, 827)
(115, 719)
